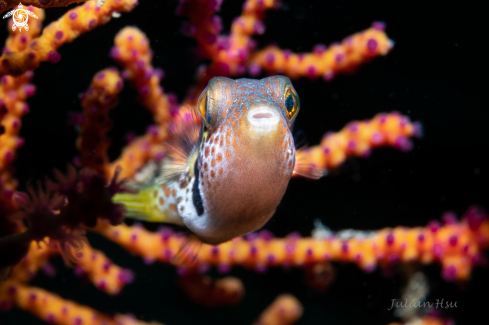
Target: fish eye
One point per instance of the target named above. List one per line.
(202, 107)
(291, 103)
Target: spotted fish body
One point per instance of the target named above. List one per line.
(234, 170)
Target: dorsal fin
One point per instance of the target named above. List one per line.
(184, 138)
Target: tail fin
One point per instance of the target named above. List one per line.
(143, 205)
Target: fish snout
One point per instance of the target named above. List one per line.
(263, 118)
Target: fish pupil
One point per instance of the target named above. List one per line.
(289, 103)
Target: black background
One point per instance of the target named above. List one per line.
(435, 74)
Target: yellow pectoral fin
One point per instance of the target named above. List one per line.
(146, 205)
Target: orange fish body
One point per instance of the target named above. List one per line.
(225, 177)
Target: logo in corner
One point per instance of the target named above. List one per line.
(20, 16)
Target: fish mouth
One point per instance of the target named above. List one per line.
(263, 118)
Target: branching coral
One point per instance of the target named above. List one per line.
(62, 212)
(96, 102)
(458, 246)
(13, 94)
(132, 51)
(52, 221)
(77, 21)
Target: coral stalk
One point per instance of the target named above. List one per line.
(132, 51)
(54, 309)
(344, 57)
(101, 271)
(97, 101)
(358, 138)
(456, 246)
(14, 92)
(74, 23)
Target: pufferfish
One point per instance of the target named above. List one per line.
(225, 178)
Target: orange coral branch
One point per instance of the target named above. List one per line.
(97, 101)
(341, 57)
(101, 271)
(13, 95)
(205, 27)
(35, 259)
(229, 54)
(51, 308)
(75, 22)
(104, 274)
(132, 51)
(457, 246)
(235, 54)
(358, 139)
(54, 309)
